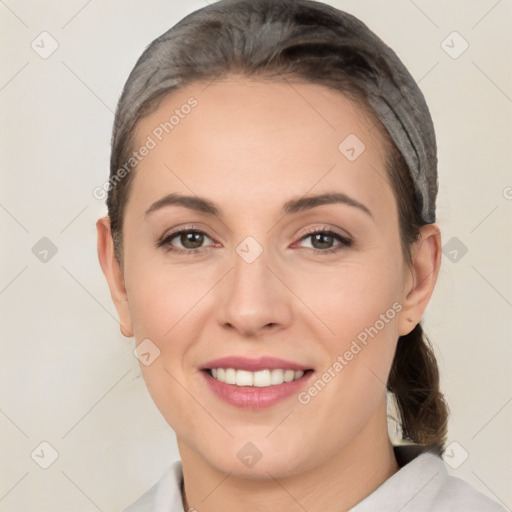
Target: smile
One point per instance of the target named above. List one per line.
(262, 378)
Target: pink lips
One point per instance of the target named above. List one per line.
(252, 397)
(253, 365)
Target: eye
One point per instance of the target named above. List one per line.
(322, 241)
(190, 241)
(186, 240)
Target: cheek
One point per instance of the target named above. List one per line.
(351, 298)
(357, 310)
(160, 298)
(162, 309)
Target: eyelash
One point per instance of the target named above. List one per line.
(345, 242)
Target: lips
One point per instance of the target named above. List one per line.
(255, 383)
(253, 365)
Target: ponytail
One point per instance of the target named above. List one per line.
(414, 380)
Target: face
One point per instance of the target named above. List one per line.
(249, 269)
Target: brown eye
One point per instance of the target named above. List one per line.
(324, 241)
(186, 240)
(191, 239)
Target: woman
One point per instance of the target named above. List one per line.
(271, 246)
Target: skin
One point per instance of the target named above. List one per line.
(249, 146)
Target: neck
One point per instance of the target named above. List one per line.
(337, 485)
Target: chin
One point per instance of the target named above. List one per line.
(259, 460)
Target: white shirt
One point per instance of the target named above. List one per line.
(422, 484)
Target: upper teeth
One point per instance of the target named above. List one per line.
(262, 378)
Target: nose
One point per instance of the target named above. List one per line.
(254, 297)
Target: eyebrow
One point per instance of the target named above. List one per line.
(204, 205)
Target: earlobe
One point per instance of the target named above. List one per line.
(426, 262)
(127, 333)
(112, 271)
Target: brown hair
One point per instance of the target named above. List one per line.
(281, 40)
(414, 375)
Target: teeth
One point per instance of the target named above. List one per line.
(230, 376)
(243, 378)
(289, 375)
(261, 379)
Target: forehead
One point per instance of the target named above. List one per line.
(276, 104)
(240, 135)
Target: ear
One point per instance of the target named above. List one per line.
(114, 275)
(426, 255)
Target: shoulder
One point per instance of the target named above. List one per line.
(164, 495)
(423, 484)
(455, 494)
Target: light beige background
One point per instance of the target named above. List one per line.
(70, 379)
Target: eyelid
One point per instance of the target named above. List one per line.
(176, 230)
(324, 229)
